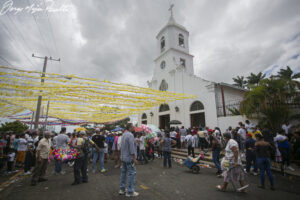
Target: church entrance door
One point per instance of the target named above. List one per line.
(164, 121)
(198, 119)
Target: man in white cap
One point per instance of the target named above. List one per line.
(42, 153)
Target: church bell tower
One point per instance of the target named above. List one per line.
(172, 50)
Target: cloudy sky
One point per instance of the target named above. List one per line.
(115, 39)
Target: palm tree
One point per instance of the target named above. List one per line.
(288, 75)
(268, 102)
(254, 79)
(239, 81)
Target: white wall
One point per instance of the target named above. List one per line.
(225, 122)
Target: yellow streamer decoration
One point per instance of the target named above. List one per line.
(76, 98)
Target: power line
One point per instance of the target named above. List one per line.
(10, 35)
(6, 61)
(43, 39)
(51, 31)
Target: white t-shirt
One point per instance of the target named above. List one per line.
(242, 132)
(173, 134)
(217, 134)
(11, 157)
(188, 138)
(280, 138)
(229, 155)
(250, 127)
(286, 128)
(142, 143)
(22, 144)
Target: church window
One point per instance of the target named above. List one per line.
(163, 64)
(164, 107)
(163, 86)
(197, 105)
(181, 40)
(162, 44)
(144, 116)
(182, 62)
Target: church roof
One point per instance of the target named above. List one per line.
(170, 23)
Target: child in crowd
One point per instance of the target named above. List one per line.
(10, 162)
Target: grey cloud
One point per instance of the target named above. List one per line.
(115, 39)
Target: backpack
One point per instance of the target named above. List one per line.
(190, 142)
(86, 147)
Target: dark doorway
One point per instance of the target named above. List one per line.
(164, 121)
(144, 122)
(197, 119)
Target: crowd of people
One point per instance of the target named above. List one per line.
(127, 148)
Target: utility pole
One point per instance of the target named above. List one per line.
(39, 102)
(46, 119)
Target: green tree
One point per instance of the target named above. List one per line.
(239, 81)
(268, 102)
(288, 75)
(254, 79)
(14, 127)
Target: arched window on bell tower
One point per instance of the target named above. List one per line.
(180, 40)
(162, 44)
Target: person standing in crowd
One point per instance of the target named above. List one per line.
(249, 126)
(217, 133)
(284, 147)
(60, 141)
(42, 153)
(182, 136)
(29, 156)
(216, 149)
(242, 136)
(202, 141)
(10, 162)
(142, 148)
(99, 140)
(263, 160)
(167, 142)
(250, 154)
(80, 164)
(22, 146)
(297, 144)
(189, 139)
(173, 133)
(178, 138)
(128, 157)
(116, 149)
(233, 159)
(287, 129)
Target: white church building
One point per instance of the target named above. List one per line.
(174, 72)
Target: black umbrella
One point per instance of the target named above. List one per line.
(175, 122)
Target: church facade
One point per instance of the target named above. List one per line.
(174, 72)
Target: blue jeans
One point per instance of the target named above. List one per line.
(167, 157)
(142, 156)
(128, 172)
(216, 159)
(98, 155)
(264, 164)
(57, 166)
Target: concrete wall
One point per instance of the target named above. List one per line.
(225, 122)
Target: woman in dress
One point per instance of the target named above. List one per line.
(231, 161)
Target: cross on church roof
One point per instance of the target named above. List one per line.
(171, 9)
